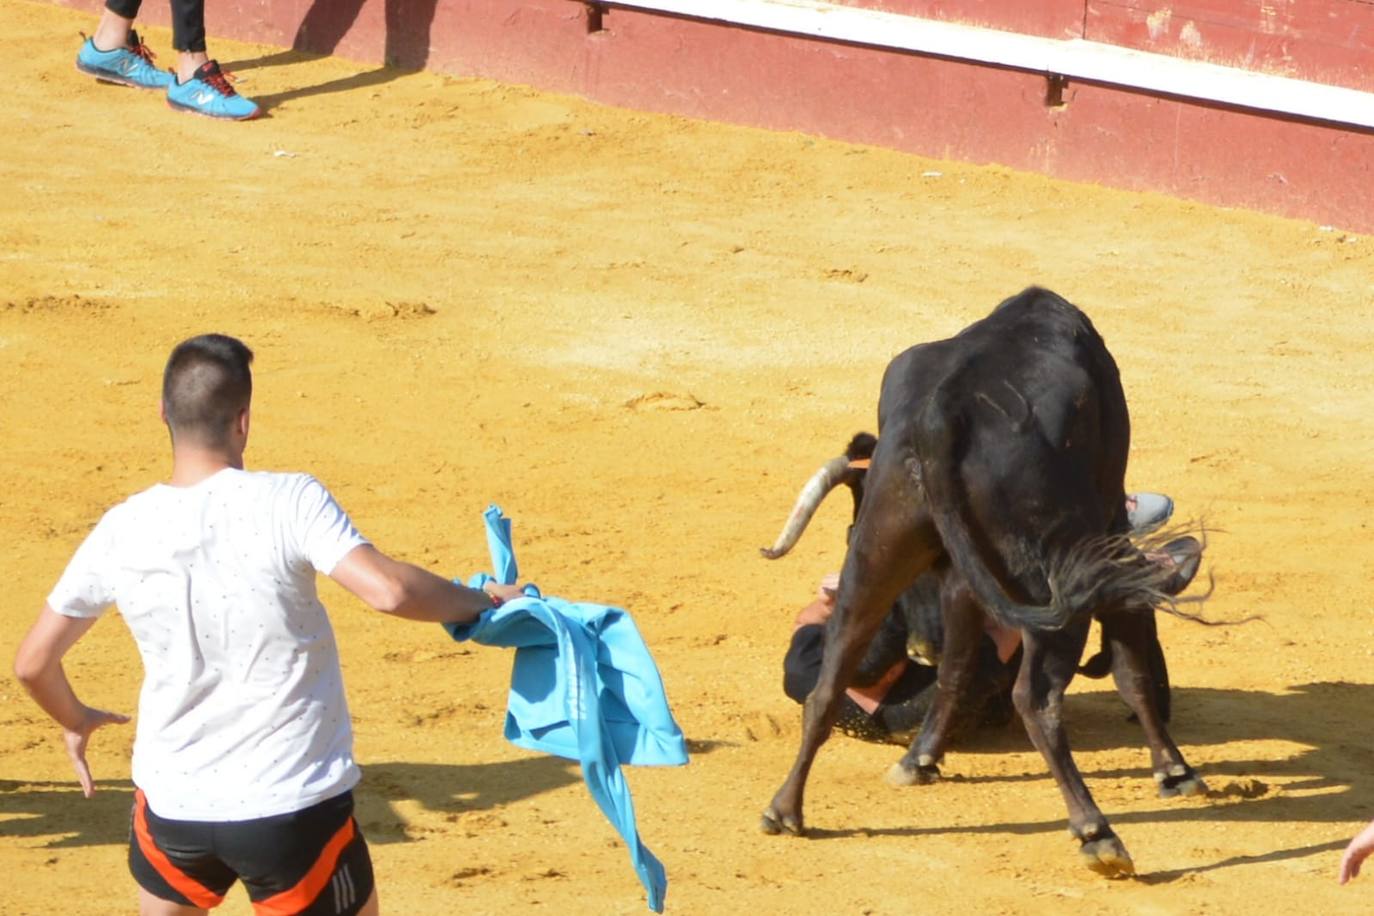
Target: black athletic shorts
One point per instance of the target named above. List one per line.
(313, 861)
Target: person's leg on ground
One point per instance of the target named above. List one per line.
(801, 670)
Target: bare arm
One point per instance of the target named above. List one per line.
(38, 666)
(405, 590)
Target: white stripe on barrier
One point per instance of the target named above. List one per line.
(1075, 58)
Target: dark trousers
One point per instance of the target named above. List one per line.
(188, 20)
(897, 718)
(903, 709)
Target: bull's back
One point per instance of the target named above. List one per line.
(1022, 413)
(1035, 347)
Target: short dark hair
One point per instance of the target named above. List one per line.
(206, 383)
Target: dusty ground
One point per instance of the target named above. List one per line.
(639, 335)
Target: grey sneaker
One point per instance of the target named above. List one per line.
(1185, 554)
(1147, 511)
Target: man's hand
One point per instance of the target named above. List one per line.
(1355, 854)
(76, 743)
(38, 666)
(503, 593)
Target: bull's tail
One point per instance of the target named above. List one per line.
(1125, 571)
(940, 443)
(849, 468)
(1164, 597)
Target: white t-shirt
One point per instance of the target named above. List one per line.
(242, 712)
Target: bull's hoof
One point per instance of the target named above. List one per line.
(1107, 856)
(1179, 780)
(773, 823)
(901, 776)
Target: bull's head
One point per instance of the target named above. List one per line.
(849, 469)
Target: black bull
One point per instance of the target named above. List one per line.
(1001, 457)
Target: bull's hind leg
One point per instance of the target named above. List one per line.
(894, 541)
(1048, 666)
(1133, 639)
(959, 666)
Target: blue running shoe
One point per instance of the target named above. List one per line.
(128, 66)
(208, 92)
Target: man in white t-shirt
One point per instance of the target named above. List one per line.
(243, 759)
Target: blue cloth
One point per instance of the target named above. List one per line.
(583, 687)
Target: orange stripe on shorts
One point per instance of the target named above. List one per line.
(184, 884)
(295, 899)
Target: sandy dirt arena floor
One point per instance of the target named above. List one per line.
(639, 335)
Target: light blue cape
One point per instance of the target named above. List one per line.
(583, 687)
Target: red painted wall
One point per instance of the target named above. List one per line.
(938, 108)
(1326, 41)
(1047, 18)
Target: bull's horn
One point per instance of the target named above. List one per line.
(821, 483)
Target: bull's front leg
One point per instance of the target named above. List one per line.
(1133, 640)
(1048, 666)
(894, 541)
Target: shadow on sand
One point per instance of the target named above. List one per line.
(57, 810)
(408, 26)
(1328, 777)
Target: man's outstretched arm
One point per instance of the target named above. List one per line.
(406, 590)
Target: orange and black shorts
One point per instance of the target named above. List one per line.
(307, 863)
